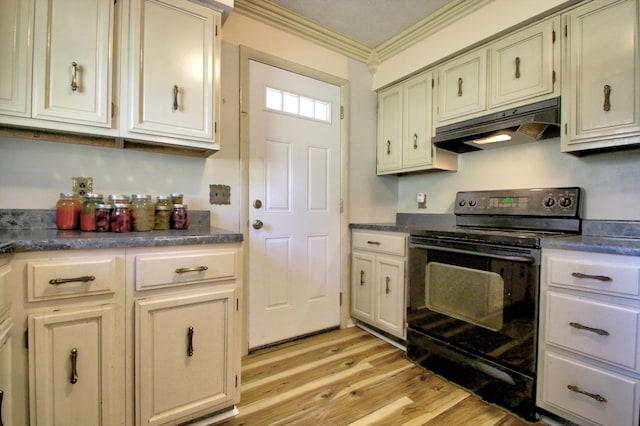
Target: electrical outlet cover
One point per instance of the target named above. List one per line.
(219, 194)
(82, 186)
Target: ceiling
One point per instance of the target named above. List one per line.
(369, 22)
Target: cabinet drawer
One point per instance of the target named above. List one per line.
(71, 277)
(604, 274)
(620, 393)
(381, 242)
(612, 335)
(183, 268)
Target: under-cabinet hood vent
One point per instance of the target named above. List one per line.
(510, 127)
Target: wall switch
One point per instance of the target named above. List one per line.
(421, 199)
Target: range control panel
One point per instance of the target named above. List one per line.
(550, 202)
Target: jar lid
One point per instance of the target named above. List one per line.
(180, 206)
(140, 197)
(163, 208)
(118, 197)
(104, 206)
(121, 206)
(92, 196)
(163, 197)
(66, 195)
(175, 194)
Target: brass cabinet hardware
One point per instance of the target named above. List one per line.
(194, 269)
(361, 277)
(607, 98)
(74, 76)
(190, 341)
(579, 326)
(176, 89)
(517, 67)
(597, 397)
(415, 141)
(592, 277)
(460, 86)
(387, 290)
(74, 366)
(388, 147)
(375, 243)
(84, 279)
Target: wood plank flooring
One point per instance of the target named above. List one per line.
(350, 377)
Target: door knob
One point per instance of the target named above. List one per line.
(257, 224)
(257, 204)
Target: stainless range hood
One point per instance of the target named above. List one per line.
(540, 120)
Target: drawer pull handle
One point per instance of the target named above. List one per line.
(195, 269)
(387, 290)
(584, 327)
(375, 243)
(595, 396)
(580, 275)
(517, 67)
(388, 147)
(1, 398)
(460, 86)
(74, 366)
(607, 98)
(176, 90)
(190, 341)
(415, 141)
(85, 279)
(361, 277)
(74, 76)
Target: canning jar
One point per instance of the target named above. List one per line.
(121, 218)
(118, 199)
(164, 200)
(142, 212)
(176, 198)
(67, 211)
(163, 218)
(179, 217)
(88, 211)
(103, 217)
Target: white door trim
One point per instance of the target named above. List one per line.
(247, 54)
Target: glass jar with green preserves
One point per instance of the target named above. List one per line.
(88, 211)
(163, 217)
(142, 212)
(164, 200)
(176, 198)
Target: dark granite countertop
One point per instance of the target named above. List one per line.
(595, 244)
(32, 230)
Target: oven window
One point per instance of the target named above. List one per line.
(470, 295)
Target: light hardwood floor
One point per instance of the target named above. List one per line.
(350, 377)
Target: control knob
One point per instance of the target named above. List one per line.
(472, 203)
(565, 202)
(462, 203)
(549, 202)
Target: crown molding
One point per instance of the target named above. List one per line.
(281, 18)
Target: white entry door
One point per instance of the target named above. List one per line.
(294, 211)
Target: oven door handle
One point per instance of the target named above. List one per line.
(519, 259)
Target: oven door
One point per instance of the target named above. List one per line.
(480, 298)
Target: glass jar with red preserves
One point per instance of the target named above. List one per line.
(67, 212)
(121, 218)
(103, 217)
(88, 211)
(179, 217)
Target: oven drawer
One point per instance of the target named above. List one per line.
(620, 392)
(380, 242)
(602, 273)
(595, 329)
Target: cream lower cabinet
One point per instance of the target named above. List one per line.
(378, 280)
(589, 337)
(601, 83)
(6, 370)
(185, 338)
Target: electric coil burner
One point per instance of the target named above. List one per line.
(473, 290)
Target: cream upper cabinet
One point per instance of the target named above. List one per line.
(173, 72)
(16, 26)
(405, 129)
(462, 87)
(72, 61)
(522, 66)
(601, 77)
(390, 129)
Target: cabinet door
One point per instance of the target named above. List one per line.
(390, 130)
(6, 390)
(16, 24)
(417, 122)
(601, 81)
(390, 295)
(72, 367)
(183, 356)
(522, 66)
(362, 286)
(72, 61)
(462, 87)
(172, 73)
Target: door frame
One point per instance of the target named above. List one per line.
(247, 54)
